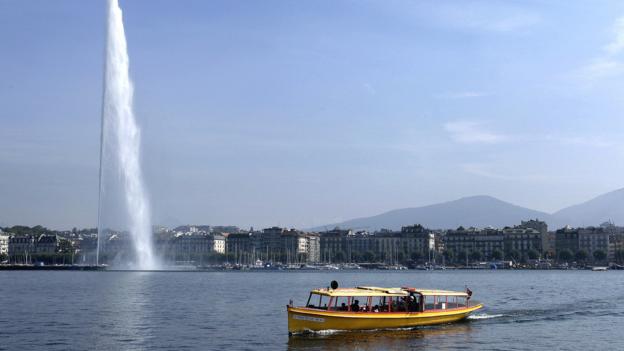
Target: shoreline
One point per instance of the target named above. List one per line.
(93, 268)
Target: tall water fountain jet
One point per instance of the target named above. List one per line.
(120, 149)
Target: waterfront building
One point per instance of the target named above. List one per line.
(387, 246)
(411, 242)
(21, 248)
(218, 243)
(616, 242)
(47, 244)
(313, 247)
(300, 247)
(474, 242)
(115, 245)
(593, 239)
(358, 245)
(274, 244)
(566, 239)
(521, 241)
(242, 247)
(86, 248)
(4, 244)
(548, 239)
(190, 246)
(192, 229)
(270, 244)
(416, 238)
(194, 246)
(333, 243)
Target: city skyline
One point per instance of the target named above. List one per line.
(355, 110)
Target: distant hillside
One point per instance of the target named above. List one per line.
(609, 206)
(477, 211)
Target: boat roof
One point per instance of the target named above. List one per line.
(435, 292)
(361, 291)
(381, 291)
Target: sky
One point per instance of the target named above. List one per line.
(304, 113)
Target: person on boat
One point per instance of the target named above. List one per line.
(412, 305)
(355, 307)
(343, 307)
(401, 304)
(376, 308)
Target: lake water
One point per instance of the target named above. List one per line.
(525, 310)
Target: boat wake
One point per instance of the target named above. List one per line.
(484, 316)
(326, 332)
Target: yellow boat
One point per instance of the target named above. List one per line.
(380, 308)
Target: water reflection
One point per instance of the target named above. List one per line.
(126, 306)
(420, 338)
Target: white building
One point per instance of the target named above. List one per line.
(219, 243)
(4, 243)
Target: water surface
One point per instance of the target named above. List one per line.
(536, 310)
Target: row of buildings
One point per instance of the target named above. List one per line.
(196, 244)
(26, 248)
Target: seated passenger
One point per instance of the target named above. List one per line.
(343, 307)
(412, 304)
(355, 307)
(376, 308)
(400, 306)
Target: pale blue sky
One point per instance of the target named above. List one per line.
(302, 113)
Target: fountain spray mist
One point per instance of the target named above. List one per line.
(121, 143)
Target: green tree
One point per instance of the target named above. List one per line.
(449, 255)
(513, 255)
(462, 256)
(401, 256)
(533, 254)
(581, 255)
(600, 255)
(340, 256)
(369, 256)
(565, 255)
(619, 256)
(497, 255)
(476, 255)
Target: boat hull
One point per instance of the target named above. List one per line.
(306, 319)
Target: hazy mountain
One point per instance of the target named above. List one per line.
(477, 211)
(609, 206)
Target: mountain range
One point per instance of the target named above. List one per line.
(483, 211)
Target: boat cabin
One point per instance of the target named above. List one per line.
(386, 300)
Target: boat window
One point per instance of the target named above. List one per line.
(358, 303)
(369, 304)
(322, 302)
(430, 302)
(399, 304)
(462, 301)
(317, 301)
(340, 303)
(413, 302)
(380, 304)
(456, 302)
(442, 302)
